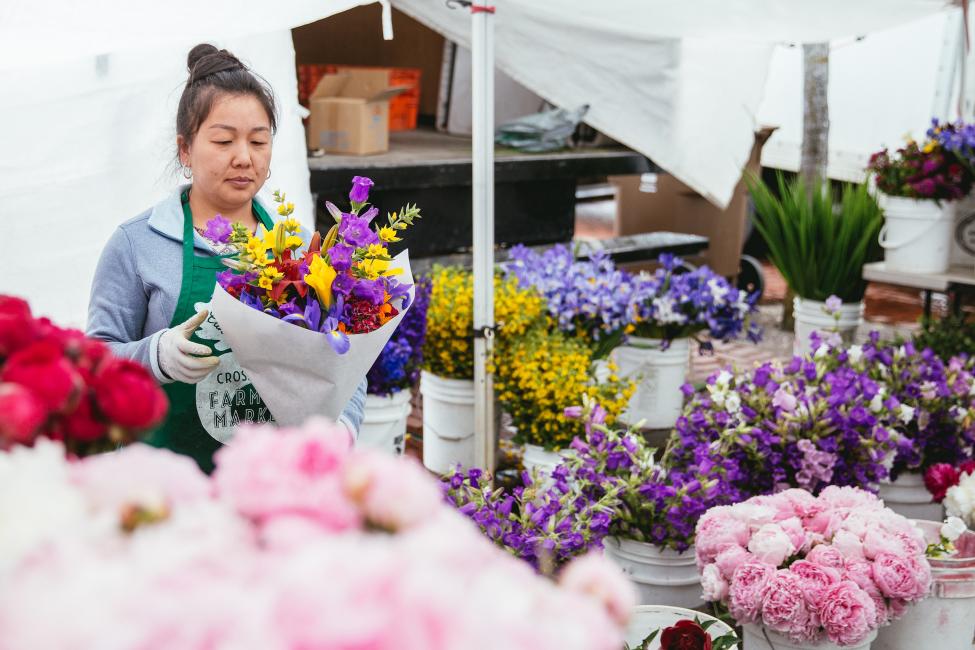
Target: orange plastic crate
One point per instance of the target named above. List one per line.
(403, 109)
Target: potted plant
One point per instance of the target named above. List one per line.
(803, 572)
(536, 376)
(917, 184)
(670, 308)
(819, 245)
(392, 377)
(447, 376)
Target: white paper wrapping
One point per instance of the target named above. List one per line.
(295, 370)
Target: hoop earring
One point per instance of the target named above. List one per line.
(268, 173)
(187, 173)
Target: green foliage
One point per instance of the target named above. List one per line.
(818, 244)
(947, 337)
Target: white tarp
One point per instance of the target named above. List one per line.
(90, 141)
(679, 82)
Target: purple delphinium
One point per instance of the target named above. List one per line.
(398, 365)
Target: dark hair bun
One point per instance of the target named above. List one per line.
(205, 60)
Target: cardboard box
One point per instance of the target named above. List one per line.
(350, 113)
(675, 207)
(404, 108)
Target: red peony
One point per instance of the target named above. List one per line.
(82, 425)
(968, 467)
(128, 395)
(17, 327)
(939, 478)
(42, 368)
(685, 635)
(21, 415)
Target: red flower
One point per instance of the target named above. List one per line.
(968, 467)
(82, 425)
(128, 395)
(939, 478)
(42, 368)
(685, 635)
(17, 327)
(21, 415)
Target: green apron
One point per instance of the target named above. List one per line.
(202, 416)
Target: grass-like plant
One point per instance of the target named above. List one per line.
(818, 244)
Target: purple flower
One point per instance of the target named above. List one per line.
(371, 290)
(360, 189)
(356, 232)
(218, 230)
(343, 284)
(337, 339)
(340, 257)
(833, 305)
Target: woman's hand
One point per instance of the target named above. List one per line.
(182, 360)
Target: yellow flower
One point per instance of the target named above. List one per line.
(929, 146)
(257, 249)
(278, 241)
(269, 275)
(291, 225)
(320, 277)
(388, 234)
(373, 268)
(285, 209)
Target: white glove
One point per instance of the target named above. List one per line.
(181, 359)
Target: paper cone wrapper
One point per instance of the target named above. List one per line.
(295, 370)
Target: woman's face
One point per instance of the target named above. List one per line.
(231, 153)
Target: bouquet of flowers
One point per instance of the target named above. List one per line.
(837, 566)
(344, 290)
(934, 169)
(303, 542)
(57, 383)
(807, 424)
(588, 298)
(448, 350)
(398, 365)
(541, 373)
(954, 487)
(654, 504)
(669, 305)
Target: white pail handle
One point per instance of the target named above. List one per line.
(886, 245)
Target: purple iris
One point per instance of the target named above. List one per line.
(397, 290)
(371, 290)
(355, 231)
(329, 326)
(337, 339)
(340, 257)
(360, 189)
(218, 230)
(230, 280)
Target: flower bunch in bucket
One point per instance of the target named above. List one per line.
(927, 170)
(59, 384)
(837, 566)
(953, 486)
(398, 365)
(805, 424)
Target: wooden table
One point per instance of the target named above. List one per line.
(957, 281)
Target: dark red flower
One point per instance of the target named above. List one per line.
(939, 478)
(18, 329)
(42, 368)
(21, 415)
(128, 395)
(685, 635)
(82, 425)
(968, 467)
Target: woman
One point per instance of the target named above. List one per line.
(155, 278)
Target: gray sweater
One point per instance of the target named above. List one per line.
(137, 284)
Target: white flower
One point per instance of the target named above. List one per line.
(855, 353)
(960, 499)
(732, 403)
(821, 351)
(877, 403)
(953, 528)
(905, 413)
(714, 586)
(724, 378)
(900, 352)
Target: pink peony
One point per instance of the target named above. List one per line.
(826, 555)
(716, 531)
(713, 584)
(860, 572)
(394, 493)
(801, 503)
(595, 576)
(269, 472)
(814, 580)
(747, 588)
(836, 496)
(902, 577)
(849, 545)
(771, 545)
(796, 533)
(848, 614)
(785, 609)
(729, 559)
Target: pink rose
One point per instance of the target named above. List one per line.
(771, 544)
(596, 576)
(394, 493)
(901, 577)
(747, 589)
(729, 559)
(713, 584)
(814, 580)
(848, 613)
(827, 556)
(784, 607)
(716, 531)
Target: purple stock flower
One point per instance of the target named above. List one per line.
(218, 230)
(340, 257)
(360, 189)
(356, 232)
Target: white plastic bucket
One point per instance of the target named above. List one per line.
(540, 458)
(916, 236)
(660, 575)
(811, 316)
(384, 423)
(658, 399)
(448, 422)
(758, 637)
(946, 618)
(907, 496)
(647, 618)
